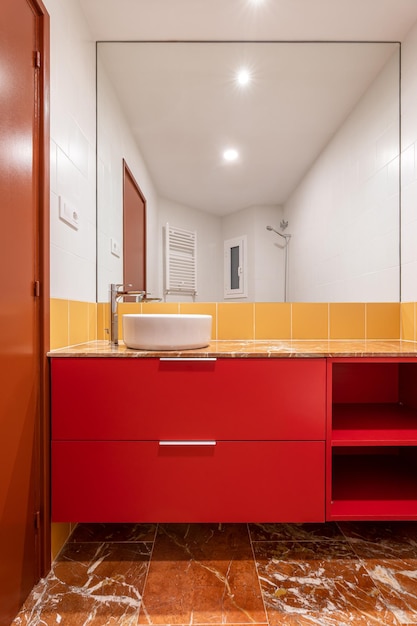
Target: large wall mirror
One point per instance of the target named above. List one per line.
(315, 130)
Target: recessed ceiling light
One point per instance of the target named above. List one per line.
(230, 154)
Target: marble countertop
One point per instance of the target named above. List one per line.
(252, 348)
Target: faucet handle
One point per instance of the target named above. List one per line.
(115, 287)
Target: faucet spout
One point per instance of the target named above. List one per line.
(117, 294)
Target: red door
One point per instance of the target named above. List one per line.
(134, 232)
(21, 307)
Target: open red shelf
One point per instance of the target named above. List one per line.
(372, 439)
(379, 484)
(387, 424)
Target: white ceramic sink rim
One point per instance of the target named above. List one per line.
(166, 331)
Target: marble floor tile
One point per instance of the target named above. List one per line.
(318, 582)
(99, 584)
(113, 532)
(389, 555)
(353, 574)
(202, 574)
(397, 581)
(381, 533)
(294, 532)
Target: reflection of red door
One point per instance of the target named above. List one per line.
(134, 232)
(23, 294)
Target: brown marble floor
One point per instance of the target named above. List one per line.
(235, 574)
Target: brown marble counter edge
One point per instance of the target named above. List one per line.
(270, 349)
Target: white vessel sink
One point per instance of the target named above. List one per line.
(166, 331)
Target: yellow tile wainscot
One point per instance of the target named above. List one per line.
(78, 322)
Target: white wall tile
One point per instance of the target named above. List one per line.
(408, 167)
(73, 252)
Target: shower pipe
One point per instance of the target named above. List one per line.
(287, 240)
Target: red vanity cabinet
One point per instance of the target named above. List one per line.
(372, 439)
(226, 440)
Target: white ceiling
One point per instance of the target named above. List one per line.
(374, 20)
(183, 107)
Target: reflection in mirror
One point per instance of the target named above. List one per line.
(315, 130)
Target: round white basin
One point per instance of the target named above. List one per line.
(166, 331)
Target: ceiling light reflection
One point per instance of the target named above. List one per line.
(243, 77)
(230, 154)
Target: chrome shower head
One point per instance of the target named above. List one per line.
(286, 237)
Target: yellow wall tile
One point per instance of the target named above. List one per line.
(59, 323)
(125, 308)
(347, 320)
(272, 320)
(75, 322)
(235, 320)
(92, 321)
(202, 308)
(78, 322)
(103, 320)
(408, 328)
(160, 307)
(309, 320)
(383, 320)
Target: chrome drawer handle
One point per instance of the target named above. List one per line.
(188, 359)
(203, 442)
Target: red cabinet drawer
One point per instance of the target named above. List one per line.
(148, 398)
(138, 481)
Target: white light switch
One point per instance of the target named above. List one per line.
(68, 213)
(115, 247)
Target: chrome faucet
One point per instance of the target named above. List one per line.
(117, 294)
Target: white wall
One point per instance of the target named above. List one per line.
(115, 144)
(269, 270)
(73, 162)
(344, 216)
(409, 167)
